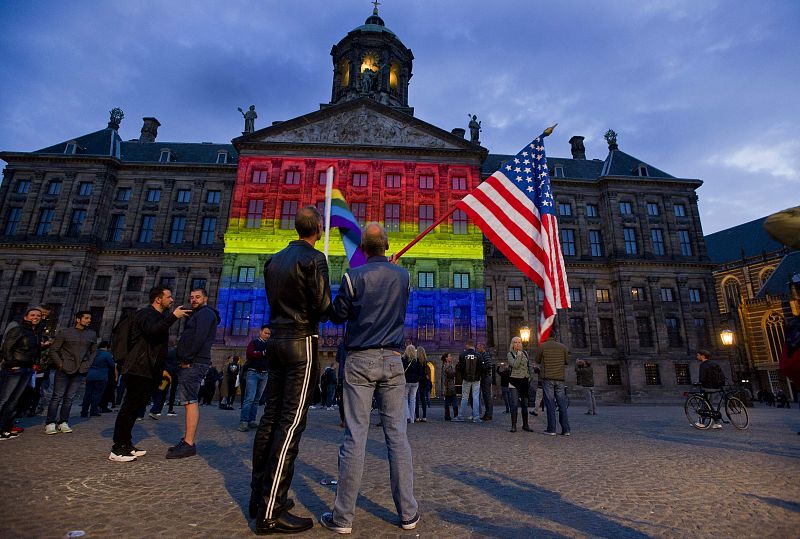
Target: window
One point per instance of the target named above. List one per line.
(425, 279)
(694, 295)
(459, 183)
(146, 230)
(613, 375)
(765, 275)
(255, 209)
(222, 158)
(461, 280)
(641, 170)
(652, 209)
(360, 179)
(564, 208)
(322, 177)
(776, 334)
(591, 210)
(461, 323)
(425, 216)
(134, 283)
(247, 274)
(391, 217)
(700, 332)
(487, 293)
(732, 293)
(212, 197)
(577, 329)
(514, 293)
(674, 338)
(540, 295)
(680, 210)
(102, 283)
(241, 318)
(153, 195)
(603, 295)
(607, 337)
(392, 181)
(426, 182)
(260, 176)
(167, 281)
(460, 222)
(657, 237)
(97, 318)
(686, 245)
(652, 376)
(116, 228)
(359, 210)
(27, 278)
(625, 208)
(123, 194)
(165, 157)
(22, 187)
(85, 189)
(54, 188)
(667, 295)
(515, 323)
(61, 279)
(199, 282)
(638, 294)
(568, 242)
(288, 213)
(292, 177)
(575, 295)
(208, 230)
(12, 221)
(75, 223)
(595, 243)
(177, 228)
(45, 220)
(644, 329)
(426, 330)
(630, 241)
(70, 148)
(184, 196)
(683, 376)
(558, 171)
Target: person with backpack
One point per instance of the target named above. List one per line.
(139, 344)
(711, 378)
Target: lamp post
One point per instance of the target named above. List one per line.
(525, 335)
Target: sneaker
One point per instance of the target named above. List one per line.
(411, 523)
(64, 427)
(121, 454)
(716, 426)
(565, 434)
(182, 450)
(477, 420)
(458, 419)
(136, 452)
(548, 433)
(252, 425)
(50, 428)
(243, 426)
(327, 522)
(6, 436)
(172, 412)
(154, 416)
(18, 430)
(700, 425)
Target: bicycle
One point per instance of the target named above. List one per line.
(701, 413)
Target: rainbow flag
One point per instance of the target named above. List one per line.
(343, 219)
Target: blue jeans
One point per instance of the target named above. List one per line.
(91, 396)
(64, 389)
(554, 392)
(330, 395)
(367, 372)
(466, 389)
(255, 382)
(411, 401)
(12, 386)
(189, 379)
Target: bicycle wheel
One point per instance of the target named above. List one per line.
(698, 412)
(737, 413)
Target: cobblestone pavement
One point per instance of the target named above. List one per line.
(630, 471)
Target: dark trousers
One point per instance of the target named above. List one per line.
(160, 395)
(108, 399)
(12, 385)
(137, 394)
(486, 394)
(450, 400)
(91, 396)
(64, 390)
(421, 394)
(293, 374)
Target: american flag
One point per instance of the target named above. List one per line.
(515, 209)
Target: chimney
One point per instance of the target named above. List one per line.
(578, 150)
(149, 130)
(459, 132)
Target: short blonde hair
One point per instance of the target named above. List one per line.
(411, 352)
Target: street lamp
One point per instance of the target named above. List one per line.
(727, 337)
(525, 334)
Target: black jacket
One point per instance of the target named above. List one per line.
(198, 335)
(149, 337)
(20, 346)
(298, 290)
(469, 365)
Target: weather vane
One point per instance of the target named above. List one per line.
(376, 4)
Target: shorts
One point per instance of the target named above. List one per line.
(189, 379)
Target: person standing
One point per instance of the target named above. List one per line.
(424, 388)
(504, 372)
(299, 296)
(256, 372)
(469, 365)
(487, 380)
(96, 379)
(142, 366)
(585, 378)
(20, 350)
(373, 299)
(518, 383)
(411, 369)
(194, 359)
(552, 358)
(449, 386)
(71, 355)
(168, 387)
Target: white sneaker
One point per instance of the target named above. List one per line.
(50, 428)
(120, 456)
(64, 427)
(716, 426)
(136, 452)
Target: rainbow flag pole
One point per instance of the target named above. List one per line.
(328, 194)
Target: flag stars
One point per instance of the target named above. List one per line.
(517, 169)
(516, 160)
(527, 170)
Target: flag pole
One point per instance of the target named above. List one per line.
(422, 234)
(328, 195)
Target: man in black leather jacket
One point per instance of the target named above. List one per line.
(19, 352)
(299, 296)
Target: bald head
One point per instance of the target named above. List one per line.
(374, 241)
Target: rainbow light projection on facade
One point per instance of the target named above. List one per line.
(447, 303)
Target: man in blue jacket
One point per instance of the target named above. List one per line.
(194, 359)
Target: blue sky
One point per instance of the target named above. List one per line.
(704, 89)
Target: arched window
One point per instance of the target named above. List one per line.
(764, 276)
(773, 327)
(731, 291)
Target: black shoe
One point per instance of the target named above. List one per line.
(182, 450)
(513, 429)
(526, 428)
(286, 523)
(534, 413)
(252, 506)
(95, 414)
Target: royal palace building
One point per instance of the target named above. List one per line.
(94, 222)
